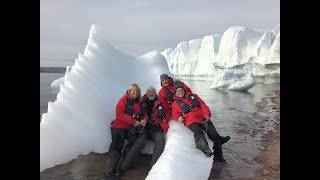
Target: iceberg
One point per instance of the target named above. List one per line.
(233, 79)
(78, 122)
(56, 83)
(257, 51)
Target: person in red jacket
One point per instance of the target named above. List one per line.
(159, 114)
(190, 109)
(131, 118)
(167, 90)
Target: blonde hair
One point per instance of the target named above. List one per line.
(134, 85)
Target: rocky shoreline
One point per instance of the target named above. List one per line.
(269, 158)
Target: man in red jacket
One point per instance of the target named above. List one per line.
(167, 90)
(159, 114)
(131, 117)
(195, 114)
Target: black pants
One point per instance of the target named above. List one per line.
(125, 159)
(156, 135)
(198, 130)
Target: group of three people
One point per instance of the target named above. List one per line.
(146, 117)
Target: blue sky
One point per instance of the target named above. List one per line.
(140, 26)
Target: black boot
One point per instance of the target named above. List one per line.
(203, 146)
(120, 169)
(112, 176)
(119, 172)
(113, 159)
(219, 159)
(224, 139)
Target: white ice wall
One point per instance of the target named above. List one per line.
(238, 47)
(78, 121)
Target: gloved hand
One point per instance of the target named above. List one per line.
(137, 123)
(180, 118)
(206, 118)
(205, 122)
(143, 122)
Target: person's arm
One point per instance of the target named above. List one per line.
(176, 112)
(145, 115)
(121, 113)
(167, 109)
(163, 96)
(205, 109)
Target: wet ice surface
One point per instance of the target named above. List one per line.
(237, 114)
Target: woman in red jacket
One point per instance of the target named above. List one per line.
(131, 117)
(167, 90)
(159, 114)
(195, 114)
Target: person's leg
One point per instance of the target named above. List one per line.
(133, 152)
(131, 139)
(223, 139)
(216, 138)
(159, 142)
(200, 139)
(118, 137)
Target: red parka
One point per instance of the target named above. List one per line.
(167, 111)
(170, 86)
(123, 120)
(195, 115)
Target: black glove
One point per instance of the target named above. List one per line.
(205, 124)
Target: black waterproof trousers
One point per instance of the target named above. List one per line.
(156, 135)
(123, 160)
(198, 130)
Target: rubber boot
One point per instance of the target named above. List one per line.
(224, 139)
(203, 146)
(120, 171)
(131, 155)
(113, 159)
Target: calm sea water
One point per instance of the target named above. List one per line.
(232, 114)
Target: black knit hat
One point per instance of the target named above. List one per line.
(177, 84)
(164, 76)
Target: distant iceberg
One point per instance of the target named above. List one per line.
(238, 48)
(257, 51)
(56, 83)
(233, 79)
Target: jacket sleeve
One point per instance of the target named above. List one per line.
(163, 96)
(176, 111)
(205, 109)
(145, 115)
(167, 110)
(121, 112)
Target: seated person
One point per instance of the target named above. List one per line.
(190, 109)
